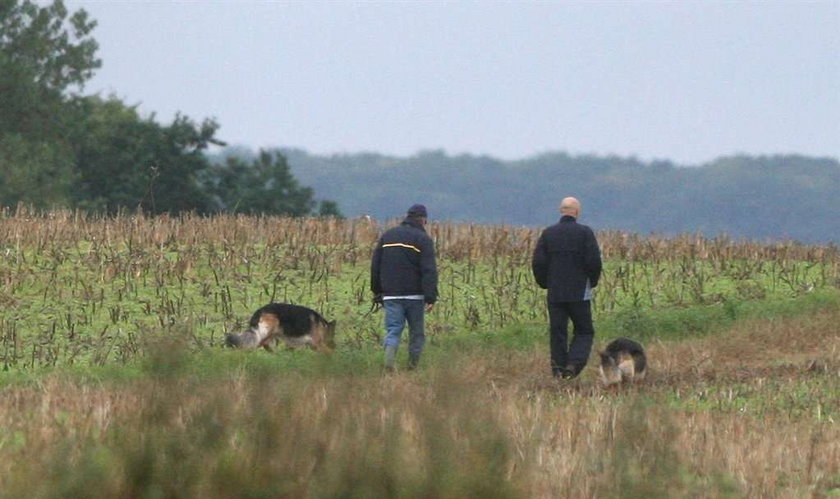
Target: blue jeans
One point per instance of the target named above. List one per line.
(397, 312)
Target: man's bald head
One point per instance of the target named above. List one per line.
(570, 206)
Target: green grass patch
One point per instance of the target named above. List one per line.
(215, 362)
(668, 324)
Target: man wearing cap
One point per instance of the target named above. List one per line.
(403, 274)
(567, 262)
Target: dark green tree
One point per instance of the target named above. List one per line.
(265, 185)
(125, 160)
(328, 208)
(38, 174)
(60, 148)
(46, 54)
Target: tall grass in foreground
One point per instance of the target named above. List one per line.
(753, 414)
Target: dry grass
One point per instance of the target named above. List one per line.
(759, 405)
(752, 413)
(25, 228)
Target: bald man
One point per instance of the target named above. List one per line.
(567, 262)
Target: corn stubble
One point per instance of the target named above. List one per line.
(82, 289)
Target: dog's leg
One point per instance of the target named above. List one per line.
(325, 348)
(626, 368)
(321, 347)
(268, 329)
(318, 339)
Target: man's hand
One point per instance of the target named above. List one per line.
(429, 307)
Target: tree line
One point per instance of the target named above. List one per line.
(62, 148)
(757, 197)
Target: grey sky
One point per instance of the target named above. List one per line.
(687, 81)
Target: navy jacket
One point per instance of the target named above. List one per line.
(403, 263)
(566, 256)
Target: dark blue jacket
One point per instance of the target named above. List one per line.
(403, 263)
(566, 256)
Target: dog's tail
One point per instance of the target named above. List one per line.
(640, 363)
(634, 349)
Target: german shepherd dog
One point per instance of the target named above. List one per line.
(294, 324)
(622, 361)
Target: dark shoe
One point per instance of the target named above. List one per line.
(569, 372)
(413, 360)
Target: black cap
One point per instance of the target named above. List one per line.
(418, 210)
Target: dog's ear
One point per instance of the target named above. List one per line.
(606, 359)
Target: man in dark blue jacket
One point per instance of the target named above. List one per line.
(403, 274)
(567, 262)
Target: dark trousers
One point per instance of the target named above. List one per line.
(576, 353)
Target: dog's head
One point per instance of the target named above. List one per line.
(245, 339)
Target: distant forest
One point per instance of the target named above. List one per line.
(765, 197)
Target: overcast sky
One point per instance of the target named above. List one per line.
(685, 81)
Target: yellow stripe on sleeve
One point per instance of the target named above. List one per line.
(401, 245)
